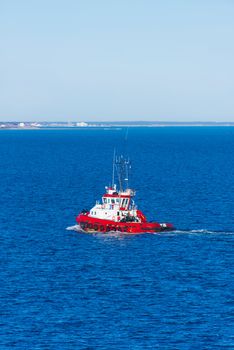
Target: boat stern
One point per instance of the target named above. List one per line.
(167, 227)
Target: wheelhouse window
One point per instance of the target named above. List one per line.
(124, 202)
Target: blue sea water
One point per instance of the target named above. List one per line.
(65, 290)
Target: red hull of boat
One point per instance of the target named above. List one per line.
(89, 224)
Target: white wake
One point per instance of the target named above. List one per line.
(77, 228)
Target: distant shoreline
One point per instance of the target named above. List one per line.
(115, 127)
(104, 125)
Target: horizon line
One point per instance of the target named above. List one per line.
(114, 121)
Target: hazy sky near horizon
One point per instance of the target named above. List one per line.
(74, 60)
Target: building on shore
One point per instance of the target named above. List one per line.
(21, 125)
(82, 124)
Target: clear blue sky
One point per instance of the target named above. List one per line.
(117, 60)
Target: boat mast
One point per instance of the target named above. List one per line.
(127, 171)
(113, 170)
(123, 168)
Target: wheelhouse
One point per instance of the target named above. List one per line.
(117, 201)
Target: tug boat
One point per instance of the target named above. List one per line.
(117, 210)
